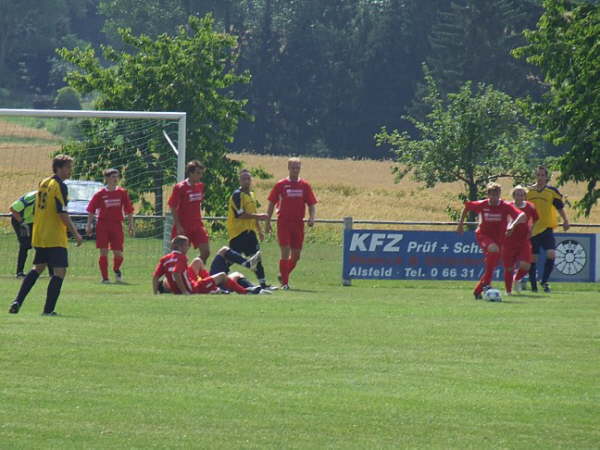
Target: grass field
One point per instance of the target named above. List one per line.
(377, 365)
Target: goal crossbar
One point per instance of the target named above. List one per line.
(180, 117)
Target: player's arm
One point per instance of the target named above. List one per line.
(173, 206)
(312, 212)
(128, 209)
(88, 225)
(16, 215)
(270, 210)
(566, 225)
(155, 282)
(461, 221)
(521, 218)
(178, 278)
(66, 219)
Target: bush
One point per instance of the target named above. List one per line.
(67, 98)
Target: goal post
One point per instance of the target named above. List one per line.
(149, 148)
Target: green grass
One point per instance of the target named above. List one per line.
(381, 364)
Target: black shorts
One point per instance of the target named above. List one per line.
(53, 256)
(543, 240)
(23, 233)
(245, 243)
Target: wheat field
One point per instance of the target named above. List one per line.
(362, 189)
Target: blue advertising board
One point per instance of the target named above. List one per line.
(446, 255)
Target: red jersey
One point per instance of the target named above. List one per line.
(186, 200)
(110, 206)
(291, 198)
(493, 219)
(174, 262)
(522, 231)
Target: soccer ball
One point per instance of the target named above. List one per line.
(492, 295)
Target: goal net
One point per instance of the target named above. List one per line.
(147, 148)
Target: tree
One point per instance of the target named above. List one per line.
(477, 135)
(472, 40)
(565, 47)
(190, 72)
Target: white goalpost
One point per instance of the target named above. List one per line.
(147, 147)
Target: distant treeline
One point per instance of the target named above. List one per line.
(326, 74)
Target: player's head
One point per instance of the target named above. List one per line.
(493, 191)
(180, 243)
(111, 176)
(294, 166)
(542, 175)
(519, 193)
(62, 165)
(245, 179)
(194, 170)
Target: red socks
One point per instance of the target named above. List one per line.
(284, 270)
(103, 263)
(234, 286)
(508, 279)
(117, 261)
(490, 262)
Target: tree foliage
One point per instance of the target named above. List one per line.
(192, 71)
(476, 135)
(566, 47)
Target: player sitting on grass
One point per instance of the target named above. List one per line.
(181, 278)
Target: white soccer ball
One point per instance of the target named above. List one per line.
(492, 295)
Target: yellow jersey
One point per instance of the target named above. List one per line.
(240, 202)
(50, 201)
(547, 202)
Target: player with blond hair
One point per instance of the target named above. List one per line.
(516, 251)
(291, 195)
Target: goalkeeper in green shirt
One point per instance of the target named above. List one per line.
(22, 221)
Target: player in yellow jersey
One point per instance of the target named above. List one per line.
(50, 235)
(548, 202)
(243, 224)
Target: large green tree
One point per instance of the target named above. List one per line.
(476, 135)
(191, 72)
(566, 47)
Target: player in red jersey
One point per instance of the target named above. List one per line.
(493, 219)
(186, 206)
(110, 204)
(291, 195)
(517, 246)
(181, 278)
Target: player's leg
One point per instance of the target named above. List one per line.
(102, 244)
(491, 251)
(549, 244)
(284, 239)
(40, 261)
(296, 243)
(508, 262)
(535, 249)
(117, 241)
(247, 244)
(23, 232)
(58, 259)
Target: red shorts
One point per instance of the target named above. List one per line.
(514, 252)
(110, 235)
(197, 234)
(204, 285)
(290, 234)
(485, 241)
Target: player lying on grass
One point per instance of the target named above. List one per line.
(494, 214)
(173, 275)
(516, 250)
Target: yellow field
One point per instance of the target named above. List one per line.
(362, 189)
(366, 190)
